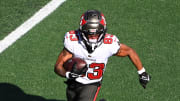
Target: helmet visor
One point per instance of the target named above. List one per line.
(93, 28)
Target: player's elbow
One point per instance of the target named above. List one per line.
(131, 52)
(59, 71)
(56, 69)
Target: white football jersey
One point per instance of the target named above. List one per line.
(97, 60)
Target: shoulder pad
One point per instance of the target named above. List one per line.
(71, 35)
(109, 39)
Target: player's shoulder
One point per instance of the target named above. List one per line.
(71, 35)
(110, 39)
(108, 35)
(72, 32)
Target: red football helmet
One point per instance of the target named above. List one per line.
(93, 29)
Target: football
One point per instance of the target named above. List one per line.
(80, 63)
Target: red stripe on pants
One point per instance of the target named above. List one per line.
(97, 93)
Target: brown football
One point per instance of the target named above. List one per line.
(69, 63)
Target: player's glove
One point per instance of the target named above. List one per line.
(75, 73)
(70, 75)
(144, 78)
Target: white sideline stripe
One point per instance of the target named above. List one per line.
(29, 24)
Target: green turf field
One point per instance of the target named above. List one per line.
(151, 27)
(15, 12)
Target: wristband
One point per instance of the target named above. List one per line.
(141, 71)
(67, 74)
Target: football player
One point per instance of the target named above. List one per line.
(92, 43)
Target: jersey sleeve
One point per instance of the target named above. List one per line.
(114, 44)
(67, 43)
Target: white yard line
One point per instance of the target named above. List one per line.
(29, 24)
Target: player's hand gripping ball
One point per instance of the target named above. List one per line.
(75, 65)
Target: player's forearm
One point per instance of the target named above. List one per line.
(135, 60)
(64, 56)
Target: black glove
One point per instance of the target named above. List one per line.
(144, 78)
(73, 75)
